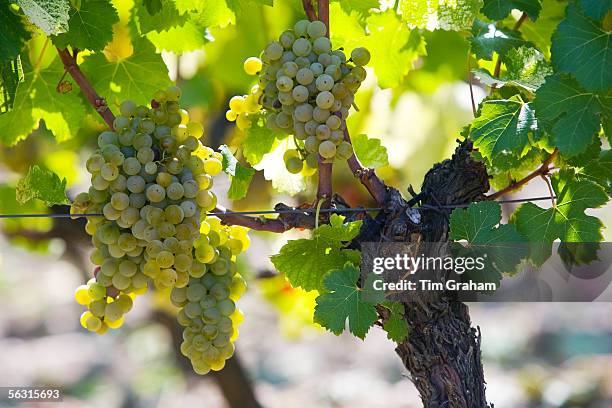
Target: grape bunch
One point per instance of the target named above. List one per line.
(305, 89)
(207, 309)
(151, 180)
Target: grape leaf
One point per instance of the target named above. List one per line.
(581, 46)
(42, 184)
(396, 325)
(477, 225)
(240, 176)
(90, 26)
(258, 140)
(360, 6)
(153, 6)
(306, 261)
(209, 13)
(596, 9)
(572, 114)
(13, 35)
(51, 16)
(567, 221)
(346, 27)
(440, 14)
(502, 128)
(37, 98)
(166, 17)
(499, 9)
(599, 170)
(342, 301)
(487, 39)
(136, 77)
(393, 46)
(11, 74)
(539, 32)
(369, 151)
(181, 38)
(526, 67)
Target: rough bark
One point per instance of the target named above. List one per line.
(442, 351)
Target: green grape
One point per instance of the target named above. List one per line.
(135, 184)
(299, 93)
(106, 138)
(213, 166)
(174, 214)
(324, 82)
(301, 47)
(316, 29)
(109, 171)
(311, 144)
(360, 56)
(304, 76)
(144, 155)
(316, 69)
(286, 39)
(301, 28)
(344, 150)
(321, 45)
(155, 193)
(323, 132)
(327, 149)
(294, 165)
(226, 307)
(284, 83)
(320, 115)
(337, 136)
(333, 122)
(303, 112)
(273, 51)
(120, 201)
(121, 123)
(206, 200)
(312, 161)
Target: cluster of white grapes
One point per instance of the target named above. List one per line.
(151, 180)
(306, 90)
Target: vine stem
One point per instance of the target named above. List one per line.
(324, 186)
(497, 70)
(375, 186)
(99, 103)
(309, 10)
(515, 185)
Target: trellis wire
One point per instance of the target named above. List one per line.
(294, 211)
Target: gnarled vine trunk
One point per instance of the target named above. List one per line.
(442, 351)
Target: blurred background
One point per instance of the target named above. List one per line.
(534, 355)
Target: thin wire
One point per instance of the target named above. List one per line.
(295, 211)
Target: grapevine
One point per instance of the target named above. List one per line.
(151, 180)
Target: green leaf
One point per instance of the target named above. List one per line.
(179, 39)
(393, 46)
(258, 140)
(42, 184)
(165, 18)
(526, 67)
(240, 176)
(51, 16)
(13, 35)
(210, 13)
(369, 151)
(306, 261)
(539, 32)
(136, 77)
(153, 6)
(11, 74)
(596, 9)
(487, 39)
(90, 26)
(499, 9)
(567, 221)
(37, 98)
(360, 6)
(572, 115)
(502, 128)
(581, 46)
(440, 14)
(477, 224)
(342, 301)
(396, 325)
(599, 170)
